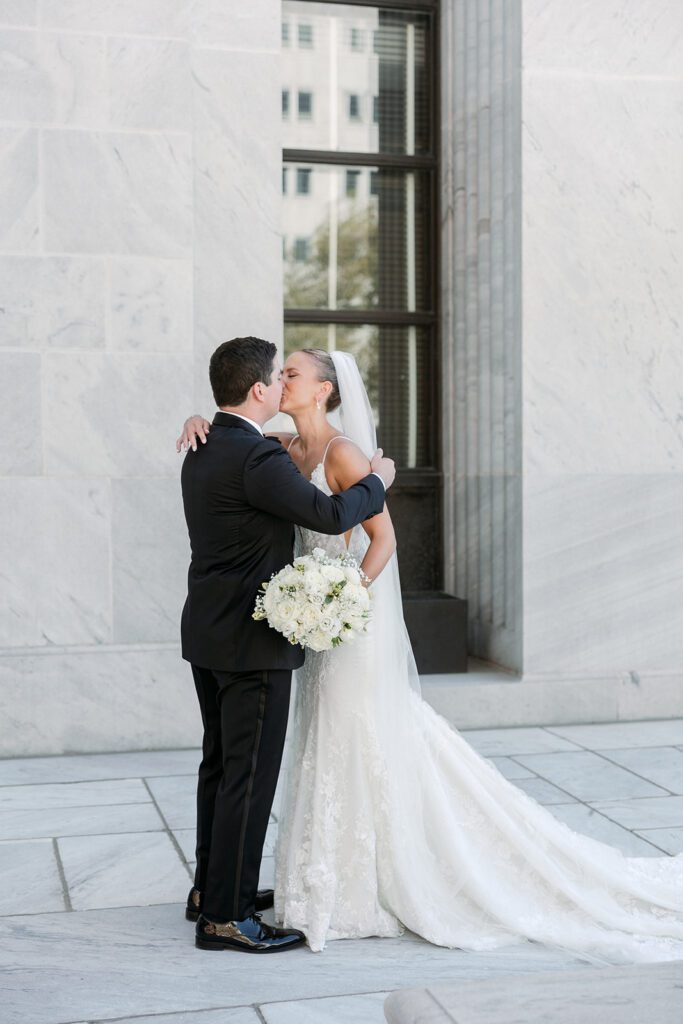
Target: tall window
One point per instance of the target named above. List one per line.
(367, 283)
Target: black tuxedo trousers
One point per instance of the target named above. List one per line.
(242, 494)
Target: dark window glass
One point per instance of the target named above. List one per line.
(303, 181)
(285, 102)
(352, 182)
(354, 107)
(284, 181)
(305, 36)
(375, 109)
(374, 183)
(357, 39)
(305, 104)
(285, 33)
(301, 249)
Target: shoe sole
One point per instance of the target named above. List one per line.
(202, 944)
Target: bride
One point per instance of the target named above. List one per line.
(389, 819)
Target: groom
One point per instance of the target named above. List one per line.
(242, 493)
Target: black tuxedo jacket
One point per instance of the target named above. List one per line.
(242, 494)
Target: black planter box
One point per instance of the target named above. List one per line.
(437, 626)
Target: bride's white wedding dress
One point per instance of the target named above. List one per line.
(390, 820)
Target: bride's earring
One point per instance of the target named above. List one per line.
(317, 403)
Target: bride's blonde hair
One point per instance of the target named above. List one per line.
(326, 371)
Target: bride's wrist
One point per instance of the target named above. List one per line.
(365, 579)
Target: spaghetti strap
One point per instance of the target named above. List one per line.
(292, 442)
(335, 438)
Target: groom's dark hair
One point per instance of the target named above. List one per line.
(237, 365)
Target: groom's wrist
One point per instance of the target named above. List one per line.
(377, 475)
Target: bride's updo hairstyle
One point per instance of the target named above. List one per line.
(326, 371)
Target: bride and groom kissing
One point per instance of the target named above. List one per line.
(389, 819)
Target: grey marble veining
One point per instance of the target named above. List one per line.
(118, 192)
(79, 821)
(150, 304)
(123, 870)
(668, 839)
(589, 777)
(590, 822)
(650, 812)
(510, 769)
(19, 214)
(91, 767)
(52, 302)
(515, 741)
(21, 445)
(73, 794)
(30, 878)
(176, 796)
(149, 84)
(615, 735)
(544, 792)
(130, 17)
(660, 765)
(361, 1009)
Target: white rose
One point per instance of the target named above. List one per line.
(352, 574)
(334, 573)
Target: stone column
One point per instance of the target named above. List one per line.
(562, 128)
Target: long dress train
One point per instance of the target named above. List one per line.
(390, 820)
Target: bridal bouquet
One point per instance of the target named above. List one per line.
(318, 602)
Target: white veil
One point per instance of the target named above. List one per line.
(392, 644)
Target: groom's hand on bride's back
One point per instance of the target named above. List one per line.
(385, 467)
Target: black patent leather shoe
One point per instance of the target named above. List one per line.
(264, 901)
(249, 936)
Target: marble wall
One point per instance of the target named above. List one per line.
(139, 228)
(595, 356)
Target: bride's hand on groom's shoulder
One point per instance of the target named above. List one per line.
(195, 428)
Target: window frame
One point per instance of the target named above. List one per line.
(430, 163)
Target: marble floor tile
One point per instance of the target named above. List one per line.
(544, 792)
(92, 767)
(661, 765)
(367, 1008)
(655, 812)
(269, 845)
(667, 839)
(176, 796)
(80, 821)
(233, 1015)
(588, 776)
(590, 822)
(30, 878)
(530, 740)
(131, 962)
(72, 794)
(126, 870)
(186, 839)
(510, 769)
(267, 874)
(617, 735)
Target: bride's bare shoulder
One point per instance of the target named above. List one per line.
(345, 460)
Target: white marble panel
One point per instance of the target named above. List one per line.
(19, 216)
(52, 302)
(647, 813)
(602, 241)
(69, 977)
(126, 699)
(515, 741)
(590, 822)
(150, 304)
(149, 84)
(91, 767)
(21, 443)
(238, 248)
(150, 555)
(668, 839)
(132, 17)
(237, 26)
(625, 37)
(73, 794)
(54, 552)
(30, 878)
(367, 1008)
(661, 765)
(104, 819)
(114, 413)
(50, 78)
(117, 192)
(123, 870)
(588, 776)
(603, 585)
(18, 12)
(618, 735)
